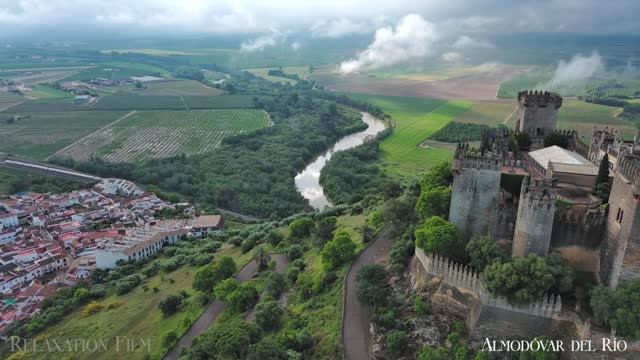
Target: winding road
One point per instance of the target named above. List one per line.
(216, 307)
(355, 317)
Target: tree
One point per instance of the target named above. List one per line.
(169, 338)
(400, 210)
(367, 232)
(294, 252)
(268, 315)
(396, 342)
(267, 349)
(602, 188)
(224, 288)
(275, 284)
(261, 257)
(301, 228)
(170, 304)
(391, 189)
(138, 84)
(338, 251)
(324, 228)
(521, 280)
(563, 273)
(434, 202)
(619, 308)
(227, 340)
(371, 285)
(274, 237)
(244, 298)
(438, 236)
(208, 276)
(483, 251)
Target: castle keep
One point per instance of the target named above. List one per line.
(540, 199)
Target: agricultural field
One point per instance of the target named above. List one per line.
(38, 135)
(158, 134)
(301, 71)
(455, 132)
(582, 116)
(175, 87)
(540, 79)
(491, 113)
(107, 71)
(35, 77)
(139, 102)
(47, 92)
(8, 100)
(441, 72)
(416, 119)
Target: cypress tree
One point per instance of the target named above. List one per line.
(603, 171)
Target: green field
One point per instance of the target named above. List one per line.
(456, 132)
(159, 134)
(489, 113)
(114, 71)
(176, 87)
(7, 99)
(42, 134)
(416, 119)
(47, 92)
(582, 116)
(139, 102)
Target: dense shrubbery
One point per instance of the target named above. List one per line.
(439, 236)
(338, 251)
(352, 174)
(483, 250)
(372, 288)
(619, 308)
(208, 276)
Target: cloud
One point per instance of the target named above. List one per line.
(337, 28)
(262, 42)
(578, 68)
(295, 45)
(452, 56)
(466, 42)
(412, 38)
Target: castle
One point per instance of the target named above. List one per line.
(536, 199)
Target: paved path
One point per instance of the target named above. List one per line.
(216, 307)
(355, 322)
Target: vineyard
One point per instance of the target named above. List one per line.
(159, 134)
(38, 135)
(459, 132)
(139, 102)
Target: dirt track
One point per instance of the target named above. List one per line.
(216, 307)
(355, 324)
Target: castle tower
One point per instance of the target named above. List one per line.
(537, 112)
(620, 249)
(536, 211)
(476, 183)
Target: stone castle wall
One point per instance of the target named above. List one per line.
(476, 184)
(536, 210)
(620, 249)
(465, 277)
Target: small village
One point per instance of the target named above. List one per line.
(48, 241)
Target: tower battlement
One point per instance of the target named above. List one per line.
(538, 192)
(628, 165)
(477, 161)
(537, 98)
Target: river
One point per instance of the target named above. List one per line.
(308, 180)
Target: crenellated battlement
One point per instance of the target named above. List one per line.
(538, 193)
(477, 161)
(628, 165)
(531, 98)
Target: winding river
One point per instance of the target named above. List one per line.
(308, 180)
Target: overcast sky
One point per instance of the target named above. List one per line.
(323, 18)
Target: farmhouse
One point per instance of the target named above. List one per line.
(82, 99)
(206, 224)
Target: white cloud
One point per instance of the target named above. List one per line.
(412, 38)
(452, 56)
(467, 42)
(578, 68)
(264, 41)
(295, 45)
